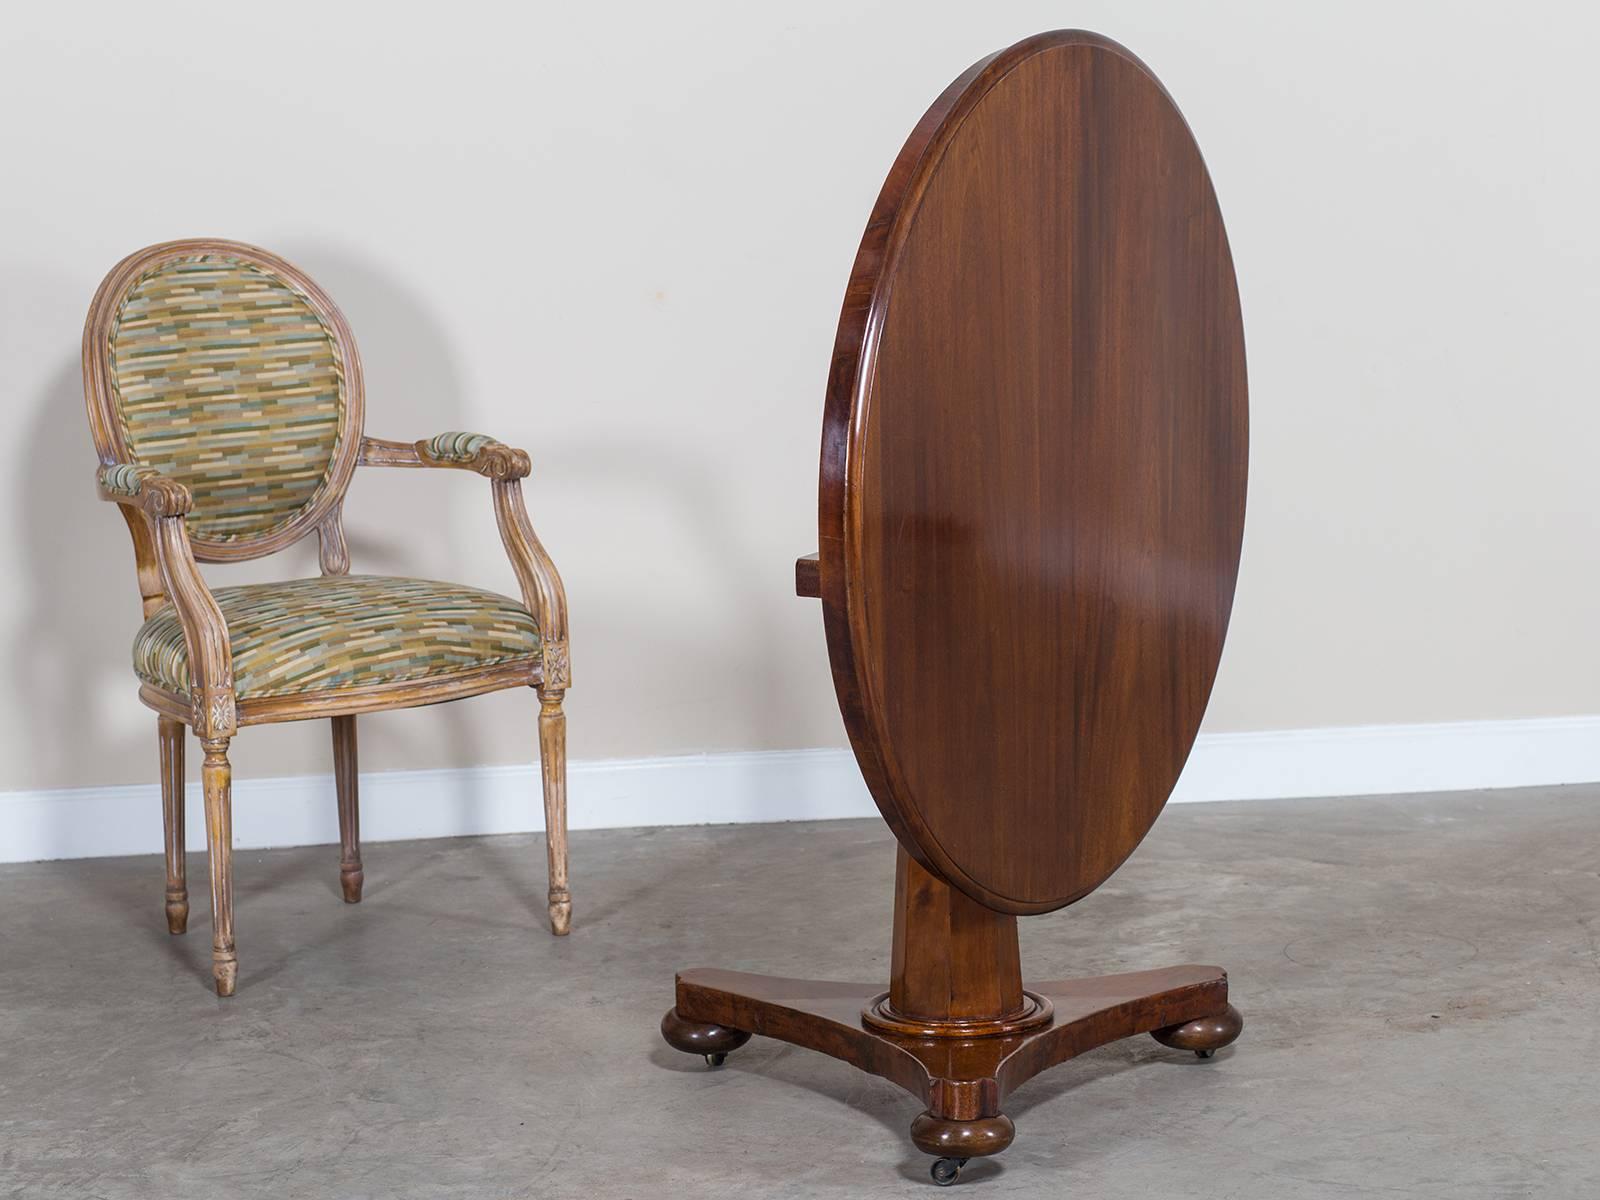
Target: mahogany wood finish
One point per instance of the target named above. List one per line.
(698, 1037)
(167, 559)
(955, 970)
(957, 1079)
(1033, 472)
(1204, 1036)
(1030, 512)
(807, 582)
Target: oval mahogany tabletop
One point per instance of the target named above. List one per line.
(1033, 472)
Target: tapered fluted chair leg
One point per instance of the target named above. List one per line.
(553, 770)
(170, 735)
(217, 777)
(345, 778)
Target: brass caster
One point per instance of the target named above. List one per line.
(946, 1171)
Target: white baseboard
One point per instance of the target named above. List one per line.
(788, 785)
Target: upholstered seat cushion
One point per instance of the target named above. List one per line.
(351, 631)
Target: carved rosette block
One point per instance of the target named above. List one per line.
(557, 668)
(214, 714)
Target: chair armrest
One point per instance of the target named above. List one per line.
(166, 502)
(542, 591)
(462, 451)
(145, 488)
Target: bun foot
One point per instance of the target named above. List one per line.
(957, 1141)
(1205, 1036)
(178, 912)
(713, 1042)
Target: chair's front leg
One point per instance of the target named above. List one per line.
(217, 777)
(553, 769)
(170, 735)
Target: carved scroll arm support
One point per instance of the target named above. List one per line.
(156, 507)
(460, 451)
(144, 488)
(505, 467)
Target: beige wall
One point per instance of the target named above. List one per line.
(618, 235)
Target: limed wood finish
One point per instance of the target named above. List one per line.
(169, 734)
(347, 783)
(166, 560)
(553, 763)
(216, 780)
(1030, 511)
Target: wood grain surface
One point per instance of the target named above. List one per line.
(1033, 472)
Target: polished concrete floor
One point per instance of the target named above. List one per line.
(1420, 979)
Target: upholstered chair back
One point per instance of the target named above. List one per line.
(225, 368)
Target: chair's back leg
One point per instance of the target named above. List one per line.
(553, 769)
(345, 773)
(217, 777)
(170, 735)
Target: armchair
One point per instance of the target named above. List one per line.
(225, 398)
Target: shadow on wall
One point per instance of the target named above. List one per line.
(74, 680)
(615, 595)
(71, 645)
(627, 601)
(412, 384)
(413, 391)
(611, 488)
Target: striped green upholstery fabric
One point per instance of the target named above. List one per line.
(457, 447)
(228, 381)
(125, 479)
(347, 631)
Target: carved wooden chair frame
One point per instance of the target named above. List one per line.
(167, 557)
